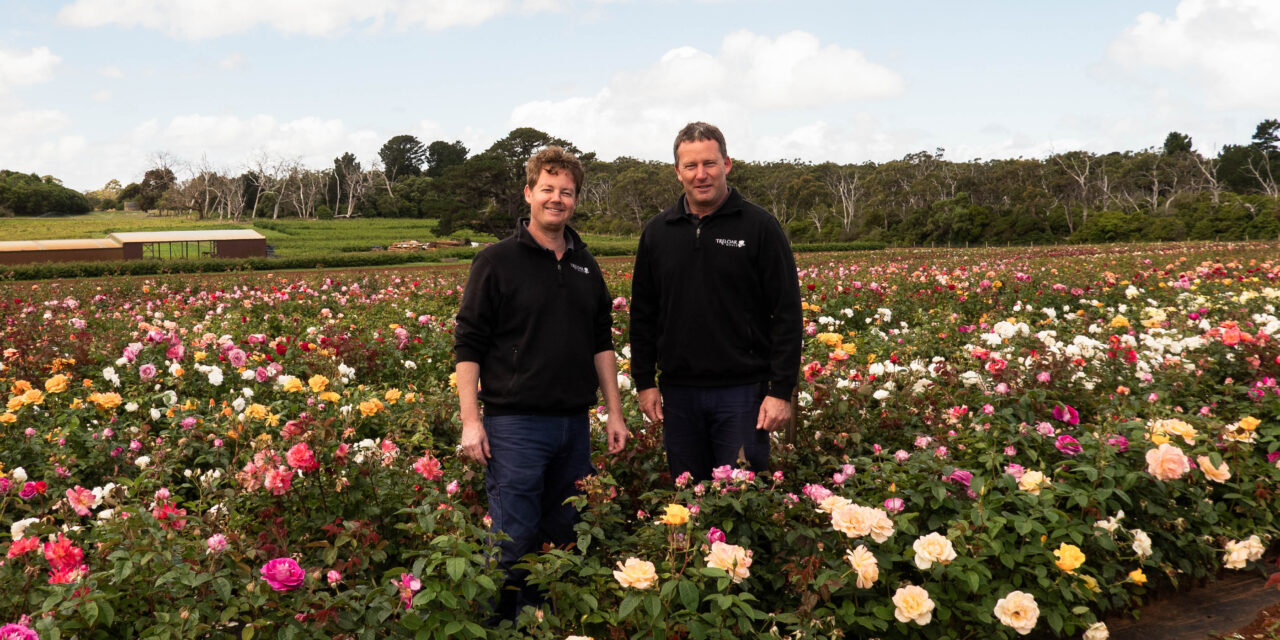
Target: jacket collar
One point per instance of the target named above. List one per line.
(572, 241)
(731, 205)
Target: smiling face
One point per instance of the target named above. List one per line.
(551, 201)
(703, 171)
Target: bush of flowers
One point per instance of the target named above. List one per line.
(989, 443)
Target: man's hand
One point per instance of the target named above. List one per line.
(651, 404)
(616, 429)
(475, 444)
(774, 412)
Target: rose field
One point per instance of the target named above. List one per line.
(989, 443)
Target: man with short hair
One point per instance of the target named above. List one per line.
(716, 308)
(535, 330)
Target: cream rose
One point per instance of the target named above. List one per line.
(1097, 631)
(636, 574)
(1167, 462)
(1032, 482)
(912, 604)
(1141, 543)
(864, 563)
(731, 558)
(1018, 611)
(932, 548)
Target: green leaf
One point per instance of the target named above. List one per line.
(455, 567)
(90, 609)
(246, 633)
(629, 604)
(411, 621)
(689, 595)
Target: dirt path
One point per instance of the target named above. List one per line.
(1238, 602)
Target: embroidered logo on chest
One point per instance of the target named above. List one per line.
(580, 269)
(726, 242)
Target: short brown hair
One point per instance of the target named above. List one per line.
(553, 159)
(698, 131)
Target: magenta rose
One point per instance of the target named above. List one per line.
(1069, 445)
(17, 632)
(283, 574)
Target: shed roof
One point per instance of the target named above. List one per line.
(204, 235)
(59, 245)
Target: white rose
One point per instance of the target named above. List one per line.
(142, 461)
(19, 528)
(1141, 543)
(1097, 631)
(19, 475)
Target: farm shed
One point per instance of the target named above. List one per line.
(213, 243)
(89, 250)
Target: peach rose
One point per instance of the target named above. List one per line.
(636, 574)
(1167, 462)
(932, 548)
(731, 558)
(912, 604)
(855, 521)
(864, 563)
(1220, 473)
(1018, 611)
(56, 384)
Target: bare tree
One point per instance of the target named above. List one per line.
(845, 184)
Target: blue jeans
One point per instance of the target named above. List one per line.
(707, 427)
(534, 466)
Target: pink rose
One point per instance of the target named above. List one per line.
(283, 574)
(217, 543)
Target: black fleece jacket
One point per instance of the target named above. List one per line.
(716, 302)
(534, 325)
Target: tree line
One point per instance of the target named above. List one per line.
(1166, 192)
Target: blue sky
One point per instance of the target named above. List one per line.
(92, 90)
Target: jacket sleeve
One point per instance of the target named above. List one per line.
(603, 326)
(474, 334)
(644, 319)
(786, 323)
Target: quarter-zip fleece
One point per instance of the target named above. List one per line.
(716, 302)
(534, 325)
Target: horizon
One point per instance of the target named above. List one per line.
(89, 93)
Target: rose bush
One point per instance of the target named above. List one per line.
(988, 443)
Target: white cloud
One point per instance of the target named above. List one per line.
(30, 125)
(101, 96)
(1229, 48)
(111, 71)
(751, 75)
(32, 67)
(202, 19)
(232, 61)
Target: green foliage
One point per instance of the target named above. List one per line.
(29, 195)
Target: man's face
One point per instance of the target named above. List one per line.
(552, 200)
(702, 171)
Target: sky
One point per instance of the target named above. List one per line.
(94, 90)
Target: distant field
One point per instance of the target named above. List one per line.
(291, 238)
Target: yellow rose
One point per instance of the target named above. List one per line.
(1069, 557)
(731, 558)
(318, 383)
(1138, 577)
(675, 515)
(8, 418)
(1018, 611)
(330, 396)
(1119, 321)
(1249, 423)
(290, 384)
(56, 384)
(913, 604)
(256, 411)
(636, 574)
(15, 403)
(391, 396)
(33, 397)
(370, 407)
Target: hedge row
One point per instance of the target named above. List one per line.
(53, 270)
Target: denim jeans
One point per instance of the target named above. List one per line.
(707, 427)
(534, 466)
